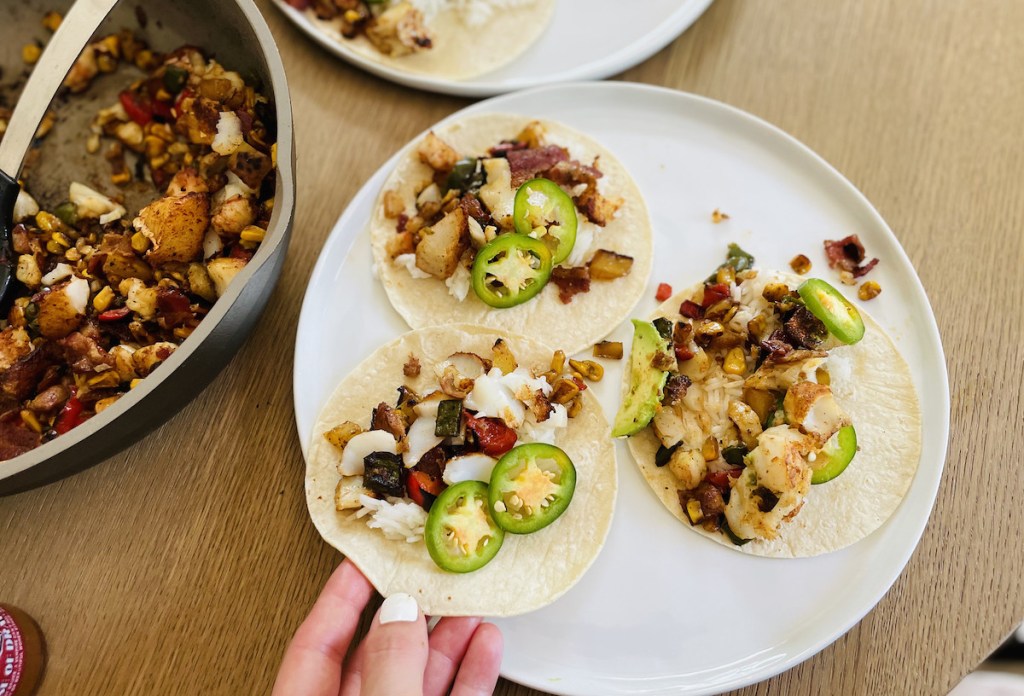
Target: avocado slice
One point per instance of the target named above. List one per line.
(646, 382)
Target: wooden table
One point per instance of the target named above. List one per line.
(189, 559)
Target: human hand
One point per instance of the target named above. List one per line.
(396, 658)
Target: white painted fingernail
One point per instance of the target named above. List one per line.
(399, 607)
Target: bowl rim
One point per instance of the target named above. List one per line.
(279, 226)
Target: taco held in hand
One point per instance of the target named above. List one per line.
(463, 467)
(518, 225)
(448, 39)
(769, 414)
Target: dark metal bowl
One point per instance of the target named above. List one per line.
(234, 32)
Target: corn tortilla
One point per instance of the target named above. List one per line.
(574, 326)
(881, 401)
(529, 571)
(460, 51)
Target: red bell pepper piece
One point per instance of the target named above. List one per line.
(664, 292)
(691, 310)
(114, 314)
(494, 436)
(720, 479)
(70, 415)
(137, 110)
(714, 293)
(423, 488)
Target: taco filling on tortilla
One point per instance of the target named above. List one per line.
(767, 409)
(515, 224)
(451, 38)
(472, 449)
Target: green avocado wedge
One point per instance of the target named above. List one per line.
(646, 382)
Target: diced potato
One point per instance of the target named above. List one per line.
(58, 315)
(28, 271)
(234, 215)
(502, 357)
(200, 283)
(339, 435)
(175, 226)
(346, 495)
(399, 31)
(441, 245)
(139, 298)
(148, 357)
(608, 265)
(14, 345)
(436, 153)
(223, 271)
(497, 194)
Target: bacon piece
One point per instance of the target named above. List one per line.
(19, 381)
(776, 345)
(847, 254)
(571, 281)
(505, 147)
(175, 309)
(16, 440)
(572, 173)
(675, 389)
(526, 164)
(473, 208)
(84, 354)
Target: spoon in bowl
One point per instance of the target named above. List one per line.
(78, 26)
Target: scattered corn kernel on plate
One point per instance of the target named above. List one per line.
(584, 40)
(663, 610)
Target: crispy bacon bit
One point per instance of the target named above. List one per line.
(505, 147)
(572, 173)
(805, 329)
(570, 281)
(598, 209)
(691, 310)
(664, 292)
(174, 307)
(776, 346)
(526, 164)
(16, 439)
(411, 368)
(473, 208)
(675, 389)
(400, 222)
(717, 216)
(388, 419)
(847, 254)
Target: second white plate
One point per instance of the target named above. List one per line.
(586, 40)
(663, 610)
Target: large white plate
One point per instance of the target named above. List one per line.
(586, 40)
(662, 609)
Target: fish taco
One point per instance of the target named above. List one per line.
(769, 414)
(450, 39)
(468, 468)
(516, 224)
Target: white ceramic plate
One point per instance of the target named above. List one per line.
(663, 610)
(586, 40)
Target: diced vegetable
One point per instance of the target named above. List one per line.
(839, 316)
(461, 536)
(608, 349)
(531, 487)
(646, 381)
(449, 418)
(511, 269)
(382, 473)
(608, 265)
(544, 211)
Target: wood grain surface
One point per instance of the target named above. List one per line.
(184, 564)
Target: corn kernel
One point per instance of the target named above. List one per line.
(351, 16)
(869, 290)
(106, 63)
(588, 368)
(735, 363)
(725, 274)
(106, 403)
(800, 264)
(52, 20)
(48, 222)
(717, 216)
(103, 299)
(143, 58)
(268, 205)
(154, 145)
(140, 242)
(105, 379)
(159, 161)
(111, 44)
(847, 278)
(693, 511)
(183, 332)
(30, 53)
(273, 154)
(558, 361)
(54, 248)
(252, 233)
(121, 177)
(710, 449)
(61, 239)
(92, 145)
(575, 407)
(31, 421)
(134, 383)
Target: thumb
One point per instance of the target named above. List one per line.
(395, 649)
